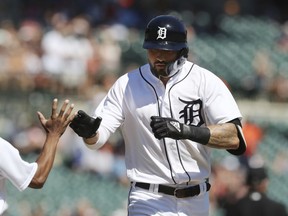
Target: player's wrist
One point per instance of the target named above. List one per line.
(197, 134)
(91, 140)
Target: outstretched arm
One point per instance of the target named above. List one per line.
(86, 127)
(54, 127)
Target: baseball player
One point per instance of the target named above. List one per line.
(23, 174)
(171, 113)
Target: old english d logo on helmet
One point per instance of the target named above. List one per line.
(162, 31)
(165, 32)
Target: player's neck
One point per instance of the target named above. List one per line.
(164, 79)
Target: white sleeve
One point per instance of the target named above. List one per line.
(111, 111)
(14, 168)
(220, 105)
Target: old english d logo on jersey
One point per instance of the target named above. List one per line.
(192, 112)
(162, 31)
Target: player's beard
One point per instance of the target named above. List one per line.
(159, 72)
(170, 68)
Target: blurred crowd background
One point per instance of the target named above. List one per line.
(77, 49)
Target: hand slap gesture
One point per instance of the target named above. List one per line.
(58, 122)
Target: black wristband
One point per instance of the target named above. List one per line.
(197, 134)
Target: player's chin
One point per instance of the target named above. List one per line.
(162, 73)
(160, 70)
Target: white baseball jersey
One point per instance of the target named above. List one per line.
(13, 168)
(193, 96)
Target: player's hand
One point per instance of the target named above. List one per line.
(166, 127)
(58, 122)
(84, 125)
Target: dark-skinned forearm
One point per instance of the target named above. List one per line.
(45, 161)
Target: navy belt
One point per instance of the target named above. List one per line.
(189, 191)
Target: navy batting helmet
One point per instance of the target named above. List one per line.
(167, 33)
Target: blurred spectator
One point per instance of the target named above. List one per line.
(256, 202)
(227, 183)
(258, 83)
(13, 59)
(121, 211)
(100, 163)
(109, 48)
(85, 208)
(55, 47)
(103, 82)
(93, 65)
(279, 88)
(282, 42)
(253, 135)
(30, 36)
(74, 73)
(107, 163)
(67, 49)
(280, 164)
(29, 140)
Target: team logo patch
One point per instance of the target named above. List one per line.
(191, 112)
(176, 125)
(162, 31)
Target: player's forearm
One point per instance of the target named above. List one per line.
(45, 161)
(223, 136)
(97, 141)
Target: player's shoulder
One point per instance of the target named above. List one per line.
(203, 75)
(134, 73)
(127, 77)
(7, 147)
(4, 143)
(203, 71)
(197, 68)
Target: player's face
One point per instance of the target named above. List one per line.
(159, 59)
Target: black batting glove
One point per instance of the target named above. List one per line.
(84, 125)
(166, 127)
